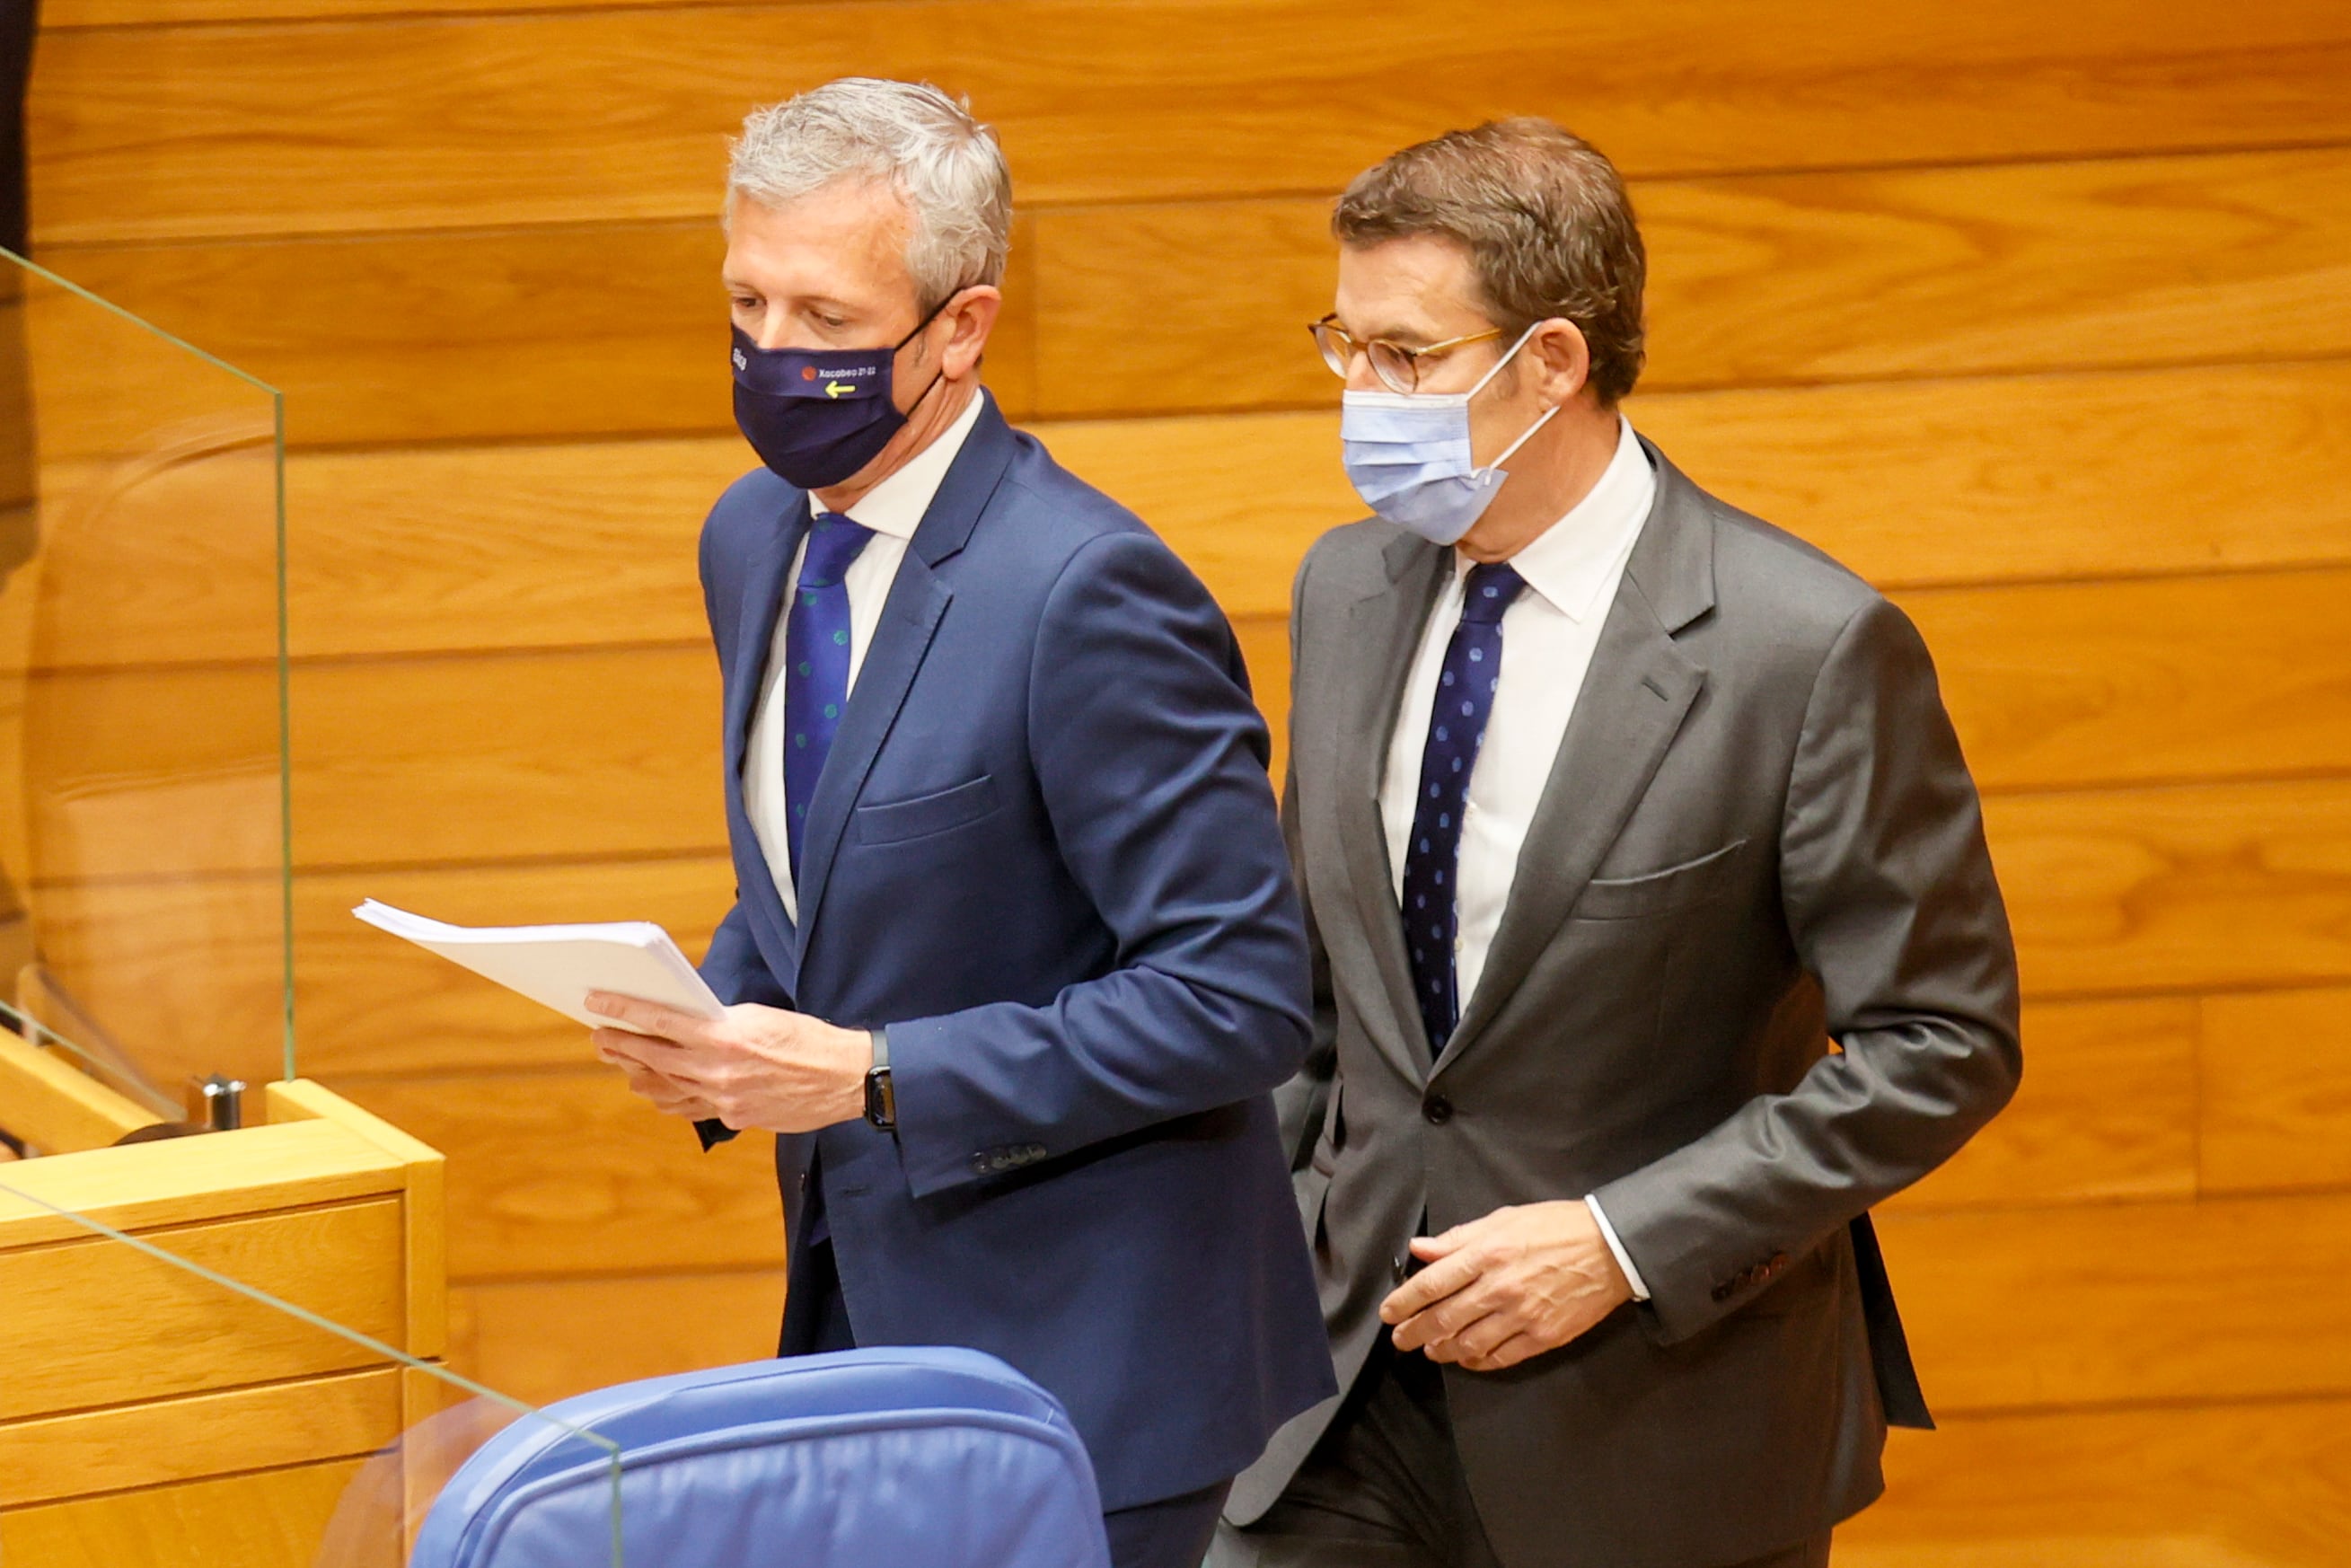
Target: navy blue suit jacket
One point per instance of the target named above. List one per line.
(1044, 853)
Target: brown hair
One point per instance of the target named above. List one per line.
(1544, 216)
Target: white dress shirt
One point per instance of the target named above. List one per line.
(893, 509)
(1571, 572)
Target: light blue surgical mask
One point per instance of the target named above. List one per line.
(1408, 456)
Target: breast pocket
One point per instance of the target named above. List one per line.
(920, 816)
(1677, 887)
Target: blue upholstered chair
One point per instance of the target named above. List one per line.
(869, 1459)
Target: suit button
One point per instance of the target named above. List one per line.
(1401, 1267)
(1437, 1109)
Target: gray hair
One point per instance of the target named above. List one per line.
(944, 164)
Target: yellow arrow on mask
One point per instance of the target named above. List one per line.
(838, 389)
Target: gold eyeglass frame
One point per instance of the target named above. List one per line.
(1327, 331)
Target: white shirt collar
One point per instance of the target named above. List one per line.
(1570, 561)
(896, 506)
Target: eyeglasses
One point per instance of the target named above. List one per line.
(1397, 364)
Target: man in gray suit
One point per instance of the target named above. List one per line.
(1656, 937)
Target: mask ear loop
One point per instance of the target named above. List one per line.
(1527, 434)
(941, 375)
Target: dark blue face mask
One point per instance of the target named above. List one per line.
(816, 416)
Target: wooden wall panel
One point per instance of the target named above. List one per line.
(2276, 1106)
(2126, 1303)
(548, 1340)
(613, 751)
(565, 1172)
(212, 130)
(1762, 278)
(2228, 1485)
(2177, 888)
(147, 958)
(447, 549)
(2003, 479)
(417, 762)
(480, 334)
(611, 328)
(2107, 1110)
(2103, 683)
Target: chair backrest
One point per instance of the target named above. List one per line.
(943, 1457)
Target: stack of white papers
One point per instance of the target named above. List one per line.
(558, 965)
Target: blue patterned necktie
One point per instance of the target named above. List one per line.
(816, 670)
(1456, 725)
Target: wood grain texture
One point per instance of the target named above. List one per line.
(94, 1322)
(424, 1213)
(150, 1186)
(167, 1441)
(499, 334)
(1944, 483)
(2164, 889)
(145, 958)
(2107, 1110)
(2276, 1105)
(1758, 279)
(428, 761)
(214, 130)
(59, 1108)
(2104, 683)
(615, 328)
(2025, 477)
(2183, 889)
(546, 1340)
(566, 1172)
(2129, 1303)
(468, 549)
(275, 1519)
(2220, 1485)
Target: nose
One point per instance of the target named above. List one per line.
(774, 330)
(1361, 377)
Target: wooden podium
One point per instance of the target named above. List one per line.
(152, 1418)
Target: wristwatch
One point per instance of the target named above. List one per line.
(880, 1101)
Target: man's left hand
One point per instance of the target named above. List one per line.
(1516, 1283)
(754, 1067)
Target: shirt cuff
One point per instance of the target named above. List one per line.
(1624, 1259)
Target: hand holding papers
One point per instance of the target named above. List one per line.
(655, 1020)
(559, 965)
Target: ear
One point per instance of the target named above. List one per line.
(969, 317)
(1561, 360)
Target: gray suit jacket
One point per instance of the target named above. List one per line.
(1758, 835)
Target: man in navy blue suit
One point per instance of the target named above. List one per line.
(1015, 959)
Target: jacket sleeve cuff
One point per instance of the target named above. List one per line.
(1616, 1248)
(713, 1133)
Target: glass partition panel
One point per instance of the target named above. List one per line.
(144, 929)
(236, 1391)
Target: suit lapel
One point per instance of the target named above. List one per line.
(1383, 632)
(910, 619)
(763, 603)
(917, 601)
(1639, 687)
(755, 631)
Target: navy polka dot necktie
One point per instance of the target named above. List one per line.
(816, 669)
(1456, 724)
